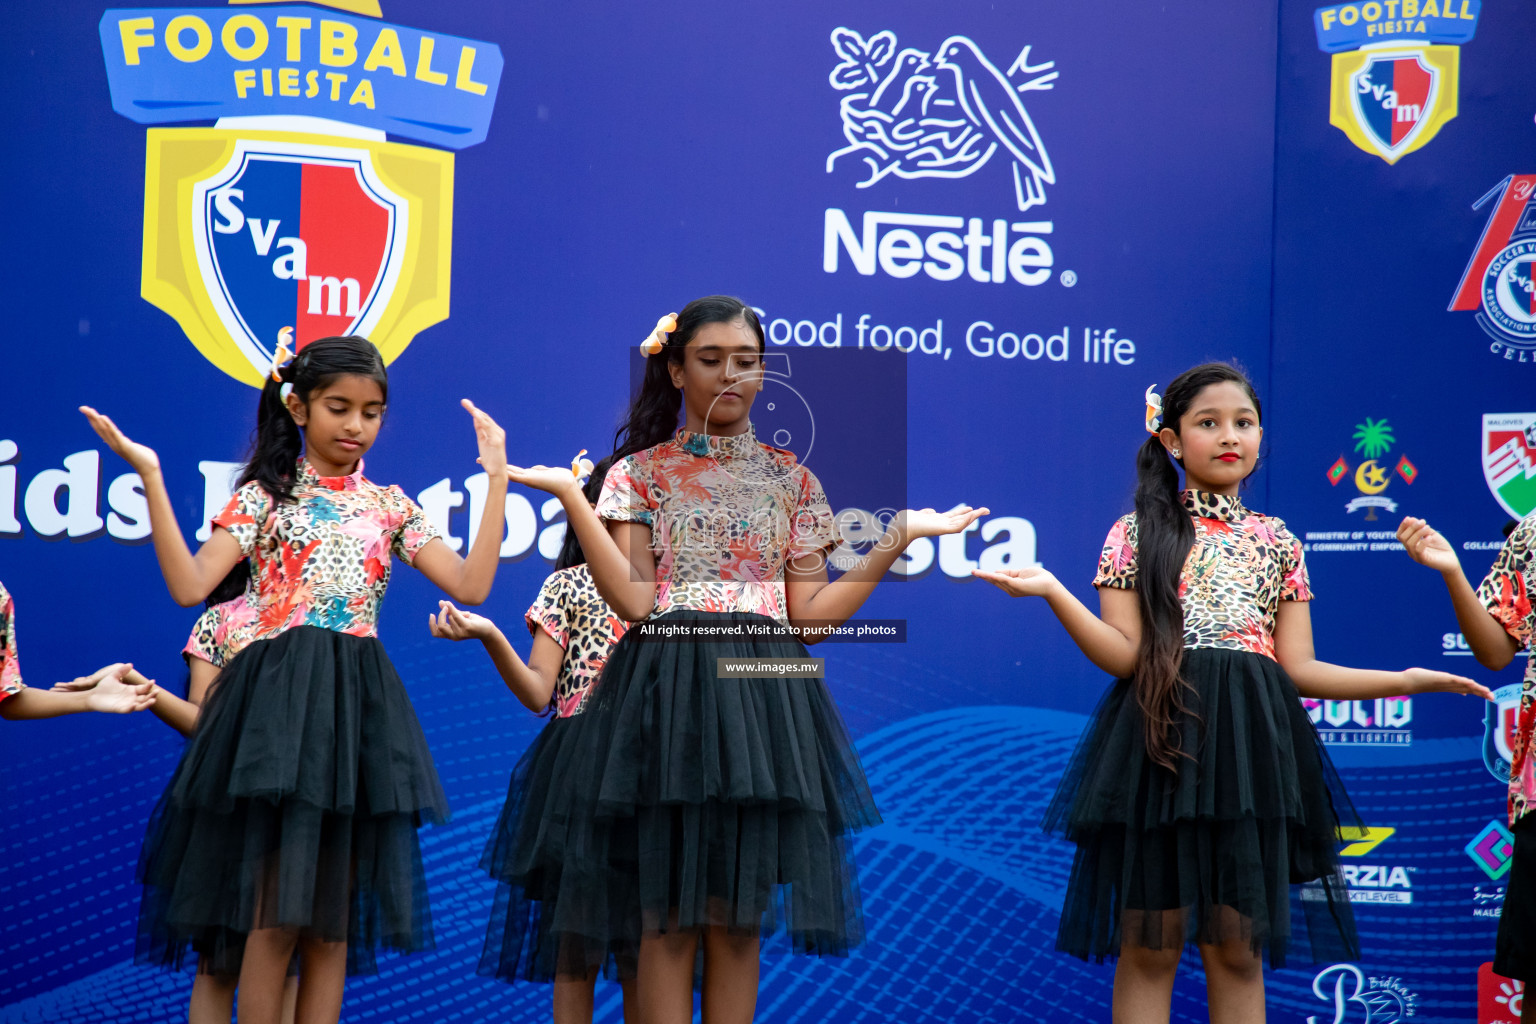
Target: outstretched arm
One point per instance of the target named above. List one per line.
(1110, 639)
(618, 553)
(469, 579)
(817, 606)
(114, 689)
(189, 577)
(1321, 680)
(533, 683)
(1491, 645)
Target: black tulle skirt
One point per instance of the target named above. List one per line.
(678, 800)
(295, 805)
(1209, 854)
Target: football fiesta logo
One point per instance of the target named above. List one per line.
(294, 209)
(1396, 68)
(1497, 283)
(943, 113)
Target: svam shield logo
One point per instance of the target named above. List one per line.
(1391, 102)
(324, 234)
(1509, 460)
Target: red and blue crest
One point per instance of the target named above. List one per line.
(1393, 94)
(297, 235)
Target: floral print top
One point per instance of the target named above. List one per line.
(1506, 593)
(727, 514)
(576, 617)
(10, 666)
(1241, 566)
(221, 632)
(322, 559)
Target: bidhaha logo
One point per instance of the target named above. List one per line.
(1354, 998)
(1509, 460)
(1498, 281)
(946, 112)
(293, 209)
(1385, 721)
(1395, 79)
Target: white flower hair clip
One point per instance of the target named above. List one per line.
(581, 468)
(281, 355)
(658, 336)
(1154, 410)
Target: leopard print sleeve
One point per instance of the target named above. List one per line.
(1117, 561)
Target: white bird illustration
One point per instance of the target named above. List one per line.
(989, 99)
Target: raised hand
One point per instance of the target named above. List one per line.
(1426, 546)
(452, 624)
(1424, 680)
(491, 439)
(120, 690)
(141, 457)
(1032, 582)
(925, 522)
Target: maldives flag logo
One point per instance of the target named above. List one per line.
(1509, 460)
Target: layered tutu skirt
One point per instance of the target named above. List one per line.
(679, 799)
(1208, 854)
(295, 805)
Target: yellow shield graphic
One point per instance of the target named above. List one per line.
(248, 230)
(1392, 99)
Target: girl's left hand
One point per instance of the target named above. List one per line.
(491, 439)
(452, 624)
(1424, 680)
(119, 690)
(118, 670)
(554, 480)
(1032, 582)
(925, 522)
(140, 456)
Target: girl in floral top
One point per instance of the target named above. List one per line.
(573, 631)
(1200, 791)
(1498, 620)
(291, 820)
(697, 808)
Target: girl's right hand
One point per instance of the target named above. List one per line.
(119, 690)
(452, 624)
(1426, 546)
(141, 457)
(1032, 582)
(555, 480)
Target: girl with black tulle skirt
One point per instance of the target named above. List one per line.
(1200, 792)
(696, 807)
(573, 632)
(290, 822)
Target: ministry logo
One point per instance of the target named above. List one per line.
(942, 113)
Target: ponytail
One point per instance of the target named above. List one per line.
(279, 441)
(1165, 534)
(652, 416)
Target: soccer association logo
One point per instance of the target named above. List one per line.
(293, 209)
(1374, 440)
(1396, 69)
(1501, 725)
(1509, 460)
(1497, 283)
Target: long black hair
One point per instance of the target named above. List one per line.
(279, 442)
(570, 552)
(652, 416)
(1165, 535)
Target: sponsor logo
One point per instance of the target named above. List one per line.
(1395, 69)
(294, 209)
(1500, 1000)
(1487, 901)
(1375, 883)
(1354, 998)
(942, 113)
(1497, 283)
(1509, 460)
(1373, 441)
(1385, 721)
(1501, 722)
(1492, 849)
